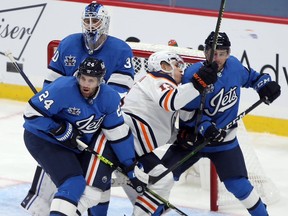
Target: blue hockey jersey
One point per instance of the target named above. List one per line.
(222, 104)
(63, 101)
(116, 54)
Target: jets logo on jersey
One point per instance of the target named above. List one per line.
(74, 111)
(89, 125)
(223, 101)
(70, 60)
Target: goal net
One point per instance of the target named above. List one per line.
(203, 172)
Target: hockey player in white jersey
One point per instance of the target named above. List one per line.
(150, 108)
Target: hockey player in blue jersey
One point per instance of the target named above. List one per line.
(94, 41)
(74, 108)
(221, 107)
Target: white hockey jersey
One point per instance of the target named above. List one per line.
(150, 106)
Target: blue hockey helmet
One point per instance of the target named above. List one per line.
(95, 26)
(223, 41)
(92, 67)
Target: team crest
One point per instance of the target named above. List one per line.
(74, 111)
(70, 60)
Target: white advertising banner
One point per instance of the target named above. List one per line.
(27, 26)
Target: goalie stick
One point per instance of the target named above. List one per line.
(83, 146)
(203, 94)
(154, 179)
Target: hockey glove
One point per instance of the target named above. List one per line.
(271, 90)
(206, 75)
(138, 185)
(66, 134)
(186, 138)
(209, 131)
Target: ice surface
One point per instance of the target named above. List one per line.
(17, 170)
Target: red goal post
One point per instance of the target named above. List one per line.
(218, 195)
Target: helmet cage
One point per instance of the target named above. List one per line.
(95, 26)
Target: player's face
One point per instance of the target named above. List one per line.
(88, 85)
(92, 24)
(178, 71)
(220, 57)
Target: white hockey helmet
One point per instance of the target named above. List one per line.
(95, 26)
(156, 59)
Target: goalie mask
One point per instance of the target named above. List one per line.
(92, 67)
(223, 42)
(156, 60)
(95, 26)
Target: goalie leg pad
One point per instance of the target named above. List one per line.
(38, 206)
(39, 198)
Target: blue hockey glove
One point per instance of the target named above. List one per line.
(271, 91)
(66, 134)
(206, 75)
(209, 131)
(138, 185)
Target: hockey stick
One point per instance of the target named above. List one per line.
(112, 165)
(203, 94)
(154, 179)
(17, 67)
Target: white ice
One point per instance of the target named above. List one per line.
(17, 169)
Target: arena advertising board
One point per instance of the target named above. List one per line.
(26, 28)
